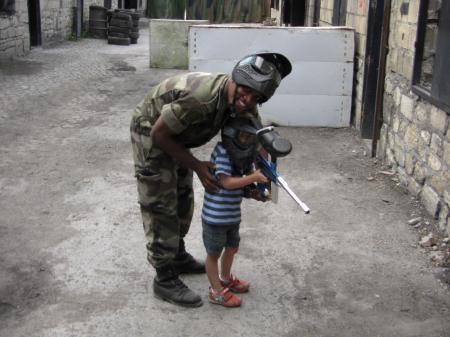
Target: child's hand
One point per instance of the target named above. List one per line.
(258, 177)
(258, 195)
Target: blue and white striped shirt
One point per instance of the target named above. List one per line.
(222, 207)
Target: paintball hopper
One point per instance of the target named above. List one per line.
(271, 140)
(273, 143)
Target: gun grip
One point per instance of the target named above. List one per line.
(264, 190)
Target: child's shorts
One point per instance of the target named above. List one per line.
(216, 238)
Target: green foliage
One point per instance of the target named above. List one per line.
(84, 34)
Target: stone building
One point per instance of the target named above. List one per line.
(401, 100)
(29, 23)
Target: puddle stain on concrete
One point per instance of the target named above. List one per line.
(20, 67)
(122, 66)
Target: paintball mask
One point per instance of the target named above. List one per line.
(239, 139)
(262, 72)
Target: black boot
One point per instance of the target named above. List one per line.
(167, 286)
(185, 263)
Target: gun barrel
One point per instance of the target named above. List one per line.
(286, 187)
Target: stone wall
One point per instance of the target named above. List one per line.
(56, 21)
(326, 13)
(356, 17)
(415, 136)
(309, 13)
(14, 34)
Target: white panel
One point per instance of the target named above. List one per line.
(304, 78)
(316, 93)
(311, 110)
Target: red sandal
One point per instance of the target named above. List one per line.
(236, 285)
(224, 297)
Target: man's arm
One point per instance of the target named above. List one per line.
(163, 137)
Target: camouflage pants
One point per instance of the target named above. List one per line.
(166, 198)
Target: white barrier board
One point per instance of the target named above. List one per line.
(318, 92)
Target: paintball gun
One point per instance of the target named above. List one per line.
(276, 146)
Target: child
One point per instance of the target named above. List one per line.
(221, 214)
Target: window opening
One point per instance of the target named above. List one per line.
(8, 6)
(431, 66)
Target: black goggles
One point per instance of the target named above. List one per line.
(259, 64)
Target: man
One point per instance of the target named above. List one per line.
(180, 113)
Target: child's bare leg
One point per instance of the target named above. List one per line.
(227, 261)
(212, 271)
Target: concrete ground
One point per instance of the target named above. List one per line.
(72, 256)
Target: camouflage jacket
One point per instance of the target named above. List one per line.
(193, 105)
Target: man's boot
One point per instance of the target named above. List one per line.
(185, 263)
(167, 286)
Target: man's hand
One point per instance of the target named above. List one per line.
(209, 182)
(163, 137)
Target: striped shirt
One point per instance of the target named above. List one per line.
(222, 207)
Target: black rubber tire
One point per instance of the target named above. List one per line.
(123, 30)
(120, 23)
(134, 35)
(120, 15)
(97, 24)
(133, 41)
(122, 41)
(134, 15)
(97, 12)
(98, 33)
(115, 34)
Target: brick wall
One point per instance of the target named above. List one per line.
(415, 136)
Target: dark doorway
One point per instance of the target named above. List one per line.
(372, 68)
(77, 26)
(129, 4)
(294, 12)
(34, 22)
(339, 12)
(316, 13)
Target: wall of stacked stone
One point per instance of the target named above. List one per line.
(56, 21)
(14, 33)
(356, 17)
(415, 135)
(326, 12)
(309, 13)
